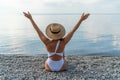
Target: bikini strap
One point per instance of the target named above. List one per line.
(58, 43)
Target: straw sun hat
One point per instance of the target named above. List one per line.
(55, 31)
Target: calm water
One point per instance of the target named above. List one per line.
(98, 35)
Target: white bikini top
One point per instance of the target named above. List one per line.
(53, 53)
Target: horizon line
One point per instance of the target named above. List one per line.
(74, 13)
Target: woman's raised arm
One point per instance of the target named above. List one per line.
(70, 34)
(40, 34)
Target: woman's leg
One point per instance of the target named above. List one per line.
(64, 66)
(47, 68)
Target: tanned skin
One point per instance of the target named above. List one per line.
(51, 44)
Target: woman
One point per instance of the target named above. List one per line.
(55, 47)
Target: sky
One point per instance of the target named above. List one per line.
(59, 6)
(10, 10)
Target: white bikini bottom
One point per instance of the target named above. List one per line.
(55, 65)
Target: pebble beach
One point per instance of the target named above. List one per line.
(22, 67)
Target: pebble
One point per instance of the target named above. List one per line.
(21, 67)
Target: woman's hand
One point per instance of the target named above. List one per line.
(84, 16)
(28, 15)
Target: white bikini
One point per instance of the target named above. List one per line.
(55, 65)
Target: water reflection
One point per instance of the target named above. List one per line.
(103, 44)
(98, 34)
(116, 42)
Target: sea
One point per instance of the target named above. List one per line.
(97, 35)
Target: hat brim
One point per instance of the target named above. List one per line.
(55, 36)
